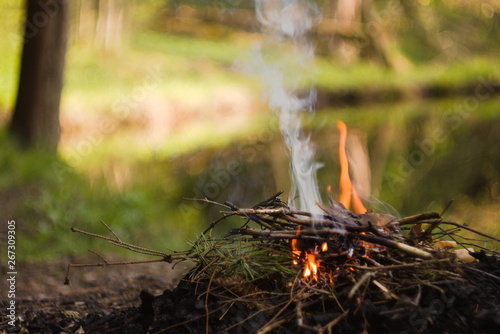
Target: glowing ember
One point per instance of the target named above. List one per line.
(324, 247)
(295, 249)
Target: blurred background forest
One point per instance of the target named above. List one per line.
(155, 108)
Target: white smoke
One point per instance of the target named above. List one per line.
(287, 23)
(290, 18)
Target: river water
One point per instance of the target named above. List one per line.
(406, 158)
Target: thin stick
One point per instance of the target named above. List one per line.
(167, 257)
(212, 224)
(470, 229)
(270, 327)
(99, 255)
(480, 247)
(207, 314)
(227, 329)
(335, 321)
(205, 200)
(104, 264)
(273, 323)
(110, 230)
(269, 200)
(264, 211)
(385, 290)
(447, 207)
(358, 284)
(418, 218)
(484, 273)
(399, 266)
(164, 330)
(429, 230)
(225, 312)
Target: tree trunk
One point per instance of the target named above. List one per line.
(35, 122)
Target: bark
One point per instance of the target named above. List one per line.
(35, 121)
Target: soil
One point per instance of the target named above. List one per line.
(45, 305)
(153, 298)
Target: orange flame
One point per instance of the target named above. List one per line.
(311, 266)
(295, 249)
(347, 190)
(348, 194)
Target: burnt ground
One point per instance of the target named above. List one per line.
(45, 305)
(142, 298)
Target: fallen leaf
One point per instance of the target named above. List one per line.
(445, 244)
(463, 255)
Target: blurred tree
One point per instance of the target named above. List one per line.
(109, 24)
(382, 41)
(99, 23)
(35, 121)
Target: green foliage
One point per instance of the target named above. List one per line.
(239, 258)
(368, 76)
(47, 197)
(10, 47)
(189, 48)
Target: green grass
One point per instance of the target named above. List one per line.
(177, 67)
(47, 197)
(361, 76)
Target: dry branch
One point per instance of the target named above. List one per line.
(116, 241)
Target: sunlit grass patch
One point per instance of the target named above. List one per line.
(46, 197)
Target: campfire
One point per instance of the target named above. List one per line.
(286, 270)
(312, 258)
(317, 267)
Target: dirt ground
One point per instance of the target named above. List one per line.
(40, 288)
(112, 300)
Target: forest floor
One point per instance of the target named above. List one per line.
(112, 300)
(40, 289)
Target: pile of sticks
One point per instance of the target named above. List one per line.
(399, 264)
(371, 259)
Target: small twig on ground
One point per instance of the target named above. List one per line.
(164, 257)
(400, 266)
(329, 326)
(104, 264)
(484, 273)
(207, 313)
